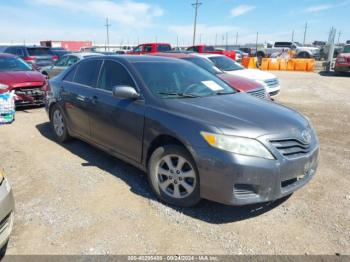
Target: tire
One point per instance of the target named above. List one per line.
(59, 125)
(304, 55)
(173, 176)
(3, 251)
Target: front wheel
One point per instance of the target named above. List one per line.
(173, 176)
(59, 125)
(304, 55)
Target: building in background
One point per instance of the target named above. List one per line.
(73, 46)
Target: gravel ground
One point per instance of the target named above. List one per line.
(75, 199)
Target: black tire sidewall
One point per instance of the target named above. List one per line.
(159, 153)
(65, 137)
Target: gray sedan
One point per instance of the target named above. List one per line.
(65, 62)
(6, 213)
(193, 134)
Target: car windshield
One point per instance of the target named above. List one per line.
(13, 64)
(225, 64)
(205, 64)
(38, 51)
(346, 49)
(180, 80)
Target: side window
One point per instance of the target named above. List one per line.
(70, 76)
(72, 60)
(190, 49)
(209, 49)
(196, 49)
(114, 74)
(62, 61)
(87, 72)
(138, 49)
(147, 48)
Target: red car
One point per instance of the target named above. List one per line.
(16, 75)
(150, 48)
(211, 50)
(342, 63)
(239, 83)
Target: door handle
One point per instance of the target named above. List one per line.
(81, 98)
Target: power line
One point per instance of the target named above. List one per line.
(196, 6)
(107, 25)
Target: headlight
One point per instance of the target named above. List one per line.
(3, 86)
(238, 145)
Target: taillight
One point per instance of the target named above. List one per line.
(30, 59)
(341, 60)
(55, 58)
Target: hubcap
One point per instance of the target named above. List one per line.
(58, 123)
(176, 176)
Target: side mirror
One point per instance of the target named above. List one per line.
(126, 92)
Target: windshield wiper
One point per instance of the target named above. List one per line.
(186, 95)
(224, 93)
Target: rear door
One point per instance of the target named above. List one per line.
(116, 123)
(77, 89)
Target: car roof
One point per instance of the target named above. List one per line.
(85, 54)
(7, 55)
(174, 55)
(155, 44)
(207, 55)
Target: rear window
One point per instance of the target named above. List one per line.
(37, 51)
(163, 48)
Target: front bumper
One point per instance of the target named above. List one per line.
(240, 180)
(6, 212)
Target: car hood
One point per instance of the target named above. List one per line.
(241, 83)
(253, 74)
(15, 77)
(241, 115)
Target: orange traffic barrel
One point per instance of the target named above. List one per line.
(274, 64)
(265, 64)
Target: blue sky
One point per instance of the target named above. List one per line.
(168, 20)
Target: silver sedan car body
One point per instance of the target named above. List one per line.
(6, 212)
(65, 62)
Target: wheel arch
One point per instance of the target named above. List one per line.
(161, 140)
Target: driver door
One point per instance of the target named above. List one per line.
(117, 124)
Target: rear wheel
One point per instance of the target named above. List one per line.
(59, 125)
(173, 176)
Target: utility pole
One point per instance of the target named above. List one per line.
(196, 6)
(226, 40)
(107, 25)
(305, 33)
(293, 36)
(177, 41)
(237, 38)
(256, 43)
(216, 40)
(339, 34)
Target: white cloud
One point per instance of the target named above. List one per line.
(324, 7)
(241, 10)
(128, 12)
(317, 8)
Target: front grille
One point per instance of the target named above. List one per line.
(272, 82)
(259, 93)
(29, 91)
(291, 147)
(244, 191)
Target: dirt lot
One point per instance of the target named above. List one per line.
(74, 199)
